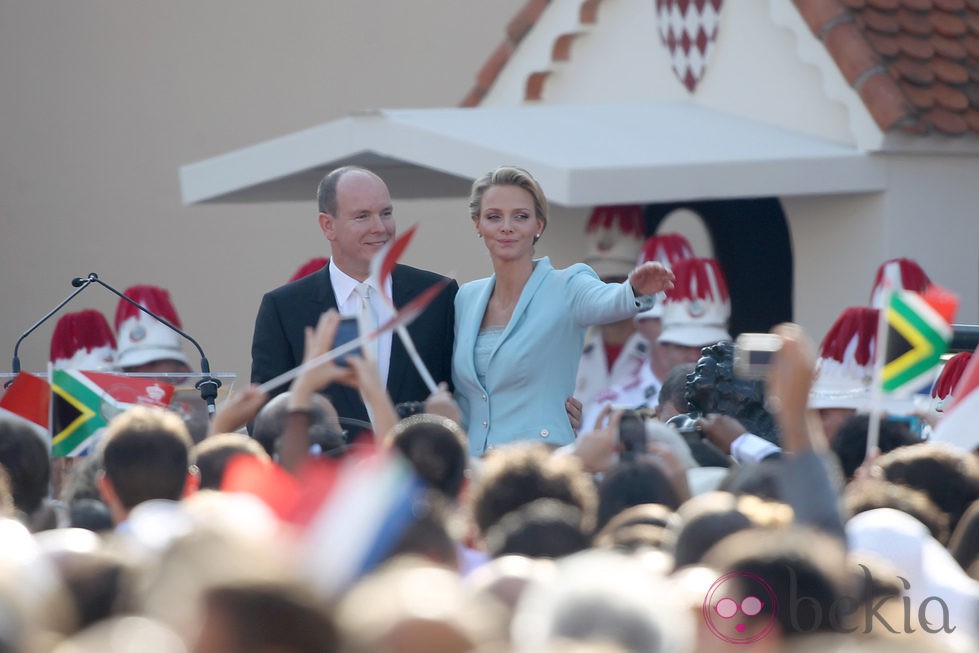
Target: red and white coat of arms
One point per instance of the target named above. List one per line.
(688, 29)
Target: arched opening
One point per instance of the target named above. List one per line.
(750, 239)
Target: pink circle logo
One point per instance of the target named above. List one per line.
(740, 608)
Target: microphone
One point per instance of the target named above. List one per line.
(208, 385)
(79, 283)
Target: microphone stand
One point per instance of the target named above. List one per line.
(208, 385)
(15, 362)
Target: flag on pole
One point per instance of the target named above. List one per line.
(370, 504)
(27, 402)
(82, 403)
(916, 335)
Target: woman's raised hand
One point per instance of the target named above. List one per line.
(650, 278)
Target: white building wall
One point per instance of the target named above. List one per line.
(103, 101)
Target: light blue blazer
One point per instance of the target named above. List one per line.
(532, 368)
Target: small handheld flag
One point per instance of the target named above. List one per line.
(917, 335)
(381, 267)
(82, 403)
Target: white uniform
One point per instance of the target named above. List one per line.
(639, 391)
(593, 373)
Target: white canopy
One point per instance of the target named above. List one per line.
(582, 155)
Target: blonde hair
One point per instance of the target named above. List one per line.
(509, 176)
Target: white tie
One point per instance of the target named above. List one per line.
(367, 317)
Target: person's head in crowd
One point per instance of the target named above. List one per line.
(356, 216)
(706, 519)
(714, 388)
(871, 493)
(614, 239)
(964, 542)
(844, 370)
(695, 312)
(324, 426)
(643, 526)
(411, 606)
(83, 341)
(82, 482)
(633, 483)
(312, 265)
(949, 476)
(145, 455)
(437, 450)
(757, 479)
(25, 458)
(428, 535)
(145, 344)
(253, 617)
(516, 475)
(897, 274)
(850, 443)
(98, 580)
(602, 596)
(776, 567)
(90, 514)
(501, 581)
(211, 456)
(545, 528)
(673, 393)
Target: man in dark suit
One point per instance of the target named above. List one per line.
(357, 218)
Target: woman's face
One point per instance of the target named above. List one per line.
(508, 223)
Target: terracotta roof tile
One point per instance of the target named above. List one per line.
(917, 5)
(914, 47)
(947, 24)
(851, 52)
(914, 22)
(915, 63)
(885, 22)
(951, 98)
(921, 98)
(948, 48)
(949, 72)
(972, 119)
(971, 45)
(947, 122)
(885, 45)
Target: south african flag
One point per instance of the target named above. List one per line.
(82, 403)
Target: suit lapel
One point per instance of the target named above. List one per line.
(541, 269)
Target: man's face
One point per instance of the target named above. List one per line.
(675, 354)
(363, 224)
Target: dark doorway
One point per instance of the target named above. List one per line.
(751, 242)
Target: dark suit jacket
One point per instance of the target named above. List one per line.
(278, 341)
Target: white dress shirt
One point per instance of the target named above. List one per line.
(348, 303)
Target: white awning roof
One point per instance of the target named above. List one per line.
(582, 155)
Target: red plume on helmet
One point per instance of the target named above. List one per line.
(83, 341)
(615, 236)
(950, 376)
(898, 274)
(143, 339)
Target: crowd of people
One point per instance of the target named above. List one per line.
(544, 460)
